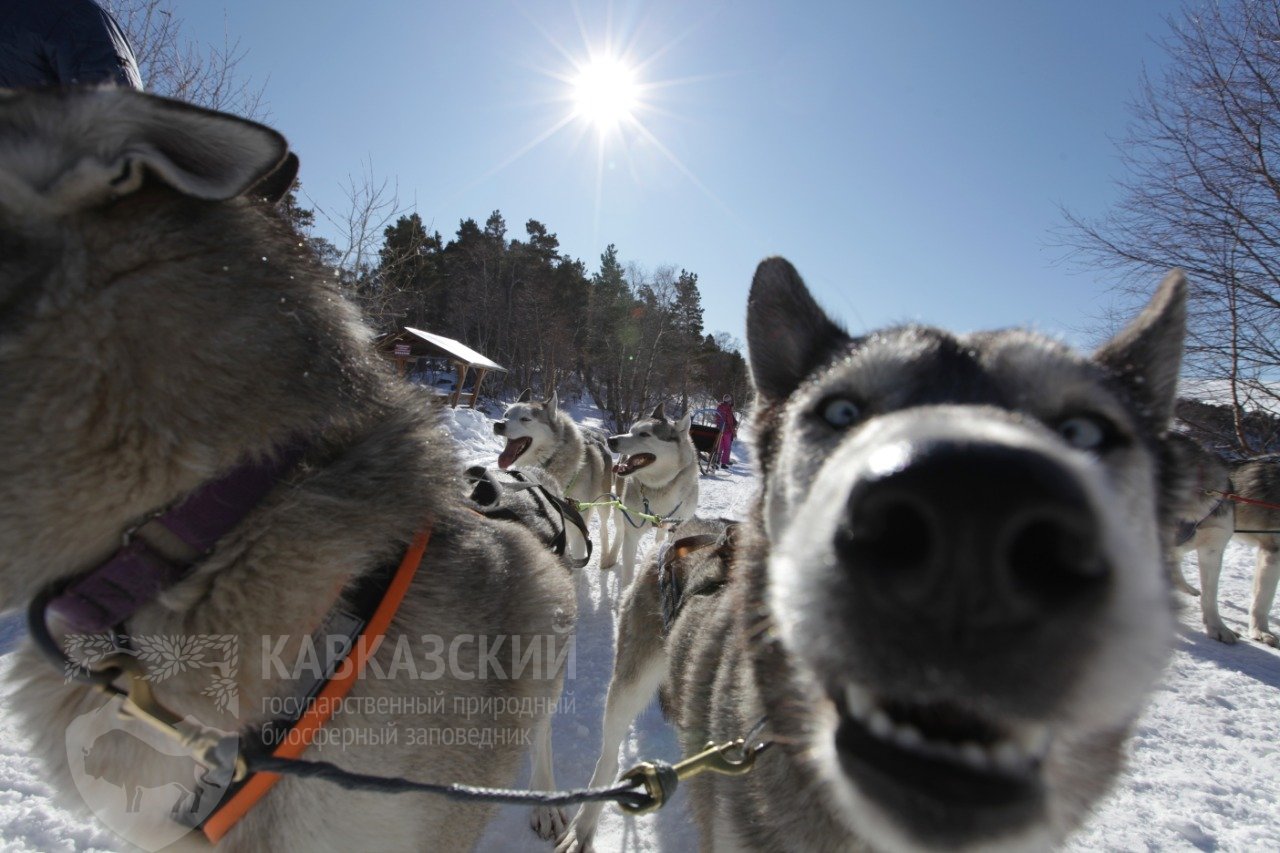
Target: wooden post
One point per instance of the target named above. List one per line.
(475, 392)
(457, 388)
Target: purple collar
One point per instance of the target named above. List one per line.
(107, 595)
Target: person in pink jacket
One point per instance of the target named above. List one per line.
(728, 424)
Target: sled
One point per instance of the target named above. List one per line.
(706, 435)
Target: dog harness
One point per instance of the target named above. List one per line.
(671, 582)
(373, 603)
(487, 502)
(166, 549)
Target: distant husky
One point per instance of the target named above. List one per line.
(542, 434)
(659, 466)
(947, 605)
(196, 339)
(1208, 519)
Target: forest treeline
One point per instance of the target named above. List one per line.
(628, 336)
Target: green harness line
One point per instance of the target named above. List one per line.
(627, 513)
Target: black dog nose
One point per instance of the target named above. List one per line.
(982, 530)
(613, 443)
(499, 427)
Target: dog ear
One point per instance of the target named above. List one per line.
(788, 335)
(659, 412)
(276, 185)
(486, 490)
(685, 422)
(1146, 355)
(551, 404)
(525, 396)
(200, 153)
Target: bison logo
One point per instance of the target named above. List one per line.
(138, 782)
(106, 760)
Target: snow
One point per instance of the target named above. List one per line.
(1204, 772)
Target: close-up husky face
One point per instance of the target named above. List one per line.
(964, 577)
(527, 428)
(652, 444)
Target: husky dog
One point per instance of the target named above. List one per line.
(543, 435)
(532, 497)
(659, 466)
(1207, 519)
(194, 333)
(947, 605)
(1203, 518)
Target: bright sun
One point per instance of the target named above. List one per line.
(605, 92)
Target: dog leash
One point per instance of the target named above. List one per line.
(658, 779)
(1231, 496)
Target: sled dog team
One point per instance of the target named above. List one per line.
(938, 516)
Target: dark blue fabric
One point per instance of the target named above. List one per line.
(61, 43)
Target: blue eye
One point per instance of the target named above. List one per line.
(1084, 432)
(841, 412)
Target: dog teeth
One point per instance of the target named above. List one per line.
(859, 701)
(1017, 754)
(974, 756)
(908, 737)
(1034, 740)
(1008, 757)
(880, 724)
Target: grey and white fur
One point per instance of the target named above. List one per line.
(658, 466)
(543, 434)
(159, 326)
(1208, 519)
(948, 602)
(534, 498)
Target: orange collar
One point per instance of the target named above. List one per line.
(320, 710)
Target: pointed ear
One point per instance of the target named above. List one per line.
(485, 489)
(274, 186)
(1146, 356)
(685, 422)
(659, 412)
(129, 135)
(551, 404)
(788, 335)
(525, 396)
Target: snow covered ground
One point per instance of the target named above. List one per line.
(1204, 772)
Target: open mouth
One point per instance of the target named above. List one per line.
(510, 453)
(630, 464)
(902, 753)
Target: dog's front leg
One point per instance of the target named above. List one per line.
(548, 821)
(603, 514)
(1264, 592)
(1175, 569)
(639, 665)
(1209, 556)
(630, 544)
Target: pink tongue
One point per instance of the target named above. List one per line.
(622, 466)
(509, 454)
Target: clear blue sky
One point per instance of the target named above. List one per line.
(908, 157)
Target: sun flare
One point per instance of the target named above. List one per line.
(605, 92)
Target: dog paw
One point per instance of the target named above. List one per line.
(1264, 637)
(572, 843)
(1221, 633)
(549, 822)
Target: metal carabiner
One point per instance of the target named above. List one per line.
(732, 758)
(219, 753)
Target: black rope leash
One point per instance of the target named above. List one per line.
(625, 793)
